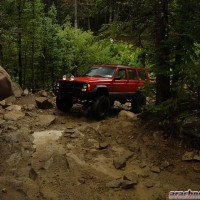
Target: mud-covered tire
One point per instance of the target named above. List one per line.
(138, 103)
(101, 107)
(64, 104)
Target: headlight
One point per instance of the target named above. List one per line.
(64, 77)
(86, 87)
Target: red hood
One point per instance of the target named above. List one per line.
(89, 79)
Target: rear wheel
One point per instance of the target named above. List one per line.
(64, 104)
(101, 107)
(138, 103)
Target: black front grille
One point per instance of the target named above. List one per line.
(71, 86)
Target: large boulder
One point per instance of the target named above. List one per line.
(17, 90)
(5, 84)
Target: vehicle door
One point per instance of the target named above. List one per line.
(120, 81)
(133, 82)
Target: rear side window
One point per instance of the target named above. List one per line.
(132, 74)
(142, 75)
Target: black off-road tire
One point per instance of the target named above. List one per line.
(64, 104)
(101, 107)
(138, 103)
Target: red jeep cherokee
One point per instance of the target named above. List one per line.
(100, 87)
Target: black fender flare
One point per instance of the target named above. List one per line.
(101, 90)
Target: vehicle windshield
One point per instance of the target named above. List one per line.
(106, 72)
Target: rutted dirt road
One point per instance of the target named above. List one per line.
(46, 154)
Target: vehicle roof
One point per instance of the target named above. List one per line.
(120, 66)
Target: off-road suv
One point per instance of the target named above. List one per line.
(100, 87)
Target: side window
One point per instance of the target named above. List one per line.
(142, 75)
(132, 74)
(122, 74)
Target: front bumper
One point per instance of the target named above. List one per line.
(76, 95)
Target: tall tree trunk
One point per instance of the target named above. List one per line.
(175, 77)
(89, 25)
(75, 14)
(110, 11)
(19, 8)
(25, 66)
(33, 47)
(162, 51)
(43, 69)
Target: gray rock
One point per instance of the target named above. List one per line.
(134, 147)
(43, 103)
(132, 176)
(188, 156)
(114, 183)
(69, 131)
(46, 120)
(14, 115)
(47, 164)
(144, 174)
(149, 184)
(197, 157)
(61, 160)
(31, 114)
(127, 155)
(14, 108)
(142, 165)
(126, 184)
(31, 107)
(17, 90)
(165, 164)
(10, 100)
(3, 103)
(117, 104)
(81, 180)
(4, 190)
(119, 162)
(155, 169)
(127, 115)
(43, 93)
(25, 92)
(103, 145)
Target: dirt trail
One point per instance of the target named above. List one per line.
(50, 155)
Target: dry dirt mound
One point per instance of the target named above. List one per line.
(46, 154)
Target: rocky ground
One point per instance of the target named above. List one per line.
(46, 154)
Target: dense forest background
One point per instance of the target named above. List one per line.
(43, 39)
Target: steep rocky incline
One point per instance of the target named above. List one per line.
(46, 154)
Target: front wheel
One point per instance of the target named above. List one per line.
(138, 103)
(64, 104)
(101, 107)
